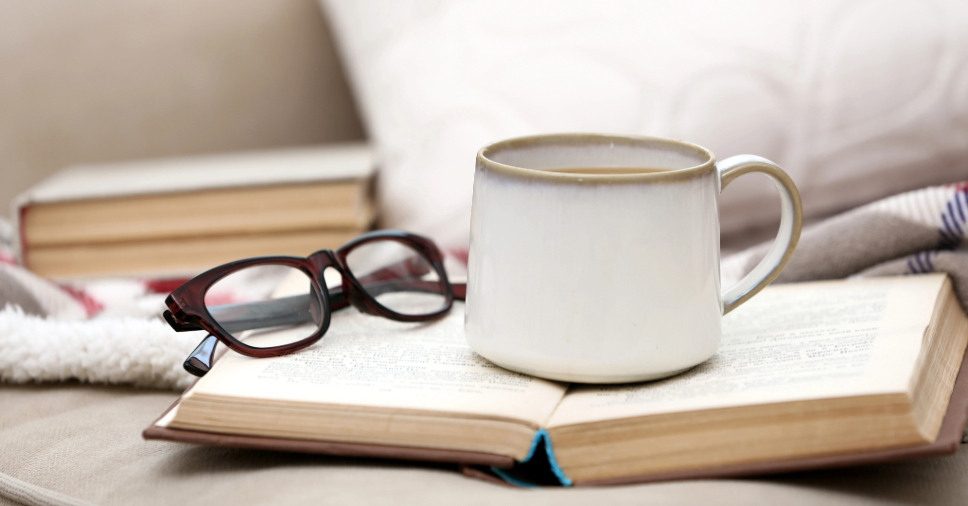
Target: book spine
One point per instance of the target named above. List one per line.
(552, 461)
(541, 454)
(20, 235)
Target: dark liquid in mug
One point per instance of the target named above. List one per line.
(598, 171)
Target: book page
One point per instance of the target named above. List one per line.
(791, 342)
(369, 361)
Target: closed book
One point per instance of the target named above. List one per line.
(81, 220)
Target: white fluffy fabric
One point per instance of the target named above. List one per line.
(113, 350)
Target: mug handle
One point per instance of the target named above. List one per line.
(791, 219)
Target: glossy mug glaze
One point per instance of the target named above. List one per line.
(595, 258)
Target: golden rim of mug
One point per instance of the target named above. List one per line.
(485, 160)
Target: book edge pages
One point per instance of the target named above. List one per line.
(156, 432)
(190, 258)
(947, 442)
(159, 430)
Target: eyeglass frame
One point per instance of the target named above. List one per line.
(187, 310)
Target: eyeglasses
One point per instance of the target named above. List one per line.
(393, 274)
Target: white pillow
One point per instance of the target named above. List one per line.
(856, 100)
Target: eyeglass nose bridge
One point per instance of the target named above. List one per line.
(346, 294)
(322, 259)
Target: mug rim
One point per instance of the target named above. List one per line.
(485, 157)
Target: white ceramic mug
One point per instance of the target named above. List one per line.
(595, 258)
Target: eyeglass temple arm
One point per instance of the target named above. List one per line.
(389, 279)
(264, 313)
(292, 309)
(273, 312)
(200, 361)
(399, 285)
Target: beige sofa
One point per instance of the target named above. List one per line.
(119, 80)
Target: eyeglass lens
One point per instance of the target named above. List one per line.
(246, 300)
(398, 277)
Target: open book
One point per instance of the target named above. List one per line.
(808, 375)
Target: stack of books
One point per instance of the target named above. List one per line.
(178, 217)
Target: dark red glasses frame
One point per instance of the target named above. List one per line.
(187, 310)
